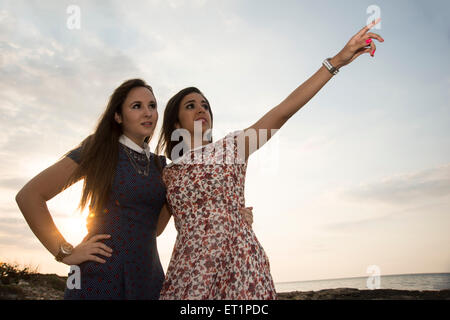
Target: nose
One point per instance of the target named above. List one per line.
(148, 112)
(200, 109)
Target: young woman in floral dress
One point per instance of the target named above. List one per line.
(216, 255)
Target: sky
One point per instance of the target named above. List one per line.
(359, 177)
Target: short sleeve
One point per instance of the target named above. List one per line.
(75, 155)
(234, 144)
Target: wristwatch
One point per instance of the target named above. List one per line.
(65, 249)
(327, 64)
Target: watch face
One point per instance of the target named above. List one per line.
(66, 248)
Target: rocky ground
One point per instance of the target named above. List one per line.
(21, 284)
(51, 287)
(35, 287)
(355, 294)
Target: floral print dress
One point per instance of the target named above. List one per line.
(216, 253)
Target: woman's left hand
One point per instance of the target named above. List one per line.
(360, 43)
(247, 215)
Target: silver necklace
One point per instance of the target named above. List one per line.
(134, 157)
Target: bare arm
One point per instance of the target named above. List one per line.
(277, 117)
(32, 200)
(163, 220)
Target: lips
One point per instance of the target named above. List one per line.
(147, 123)
(201, 119)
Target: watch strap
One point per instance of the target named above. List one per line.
(62, 253)
(327, 64)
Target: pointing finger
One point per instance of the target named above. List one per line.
(368, 27)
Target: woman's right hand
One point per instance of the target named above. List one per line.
(87, 249)
(360, 43)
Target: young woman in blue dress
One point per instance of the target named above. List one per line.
(118, 259)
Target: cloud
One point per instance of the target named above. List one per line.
(53, 87)
(12, 183)
(14, 232)
(427, 185)
(388, 222)
(386, 203)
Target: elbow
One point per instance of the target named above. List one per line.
(19, 197)
(27, 195)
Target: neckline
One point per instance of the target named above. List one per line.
(180, 159)
(133, 146)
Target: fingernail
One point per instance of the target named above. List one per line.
(368, 41)
(372, 53)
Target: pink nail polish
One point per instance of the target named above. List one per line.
(372, 53)
(368, 41)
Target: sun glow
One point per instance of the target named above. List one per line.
(63, 208)
(69, 220)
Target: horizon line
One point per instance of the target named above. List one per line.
(386, 275)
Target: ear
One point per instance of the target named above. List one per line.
(118, 118)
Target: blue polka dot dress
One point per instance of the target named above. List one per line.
(134, 270)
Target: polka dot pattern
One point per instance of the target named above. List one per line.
(134, 270)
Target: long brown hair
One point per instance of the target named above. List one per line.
(165, 144)
(100, 151)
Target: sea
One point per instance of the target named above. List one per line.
(421, 282)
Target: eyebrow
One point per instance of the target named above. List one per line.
(141, 102)
(194, 101)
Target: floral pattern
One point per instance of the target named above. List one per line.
(216, 254)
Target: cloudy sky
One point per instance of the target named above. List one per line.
(360, 176)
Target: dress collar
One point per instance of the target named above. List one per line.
(132, 145)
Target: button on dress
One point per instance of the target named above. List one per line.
(130, 216)
(216, 253)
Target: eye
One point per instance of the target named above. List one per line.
(206, 106)
(153, 105)
(136, 105)
(190, 106)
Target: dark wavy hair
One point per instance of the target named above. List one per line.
(165, 145)
(100, 151)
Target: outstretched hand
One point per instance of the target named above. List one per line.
(360, 43)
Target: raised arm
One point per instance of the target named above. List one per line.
(274, 119)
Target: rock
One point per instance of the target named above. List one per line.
(11, 292)
(23, 283)
(355, 294)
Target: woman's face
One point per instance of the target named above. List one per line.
(193, 108)
(139, 114)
